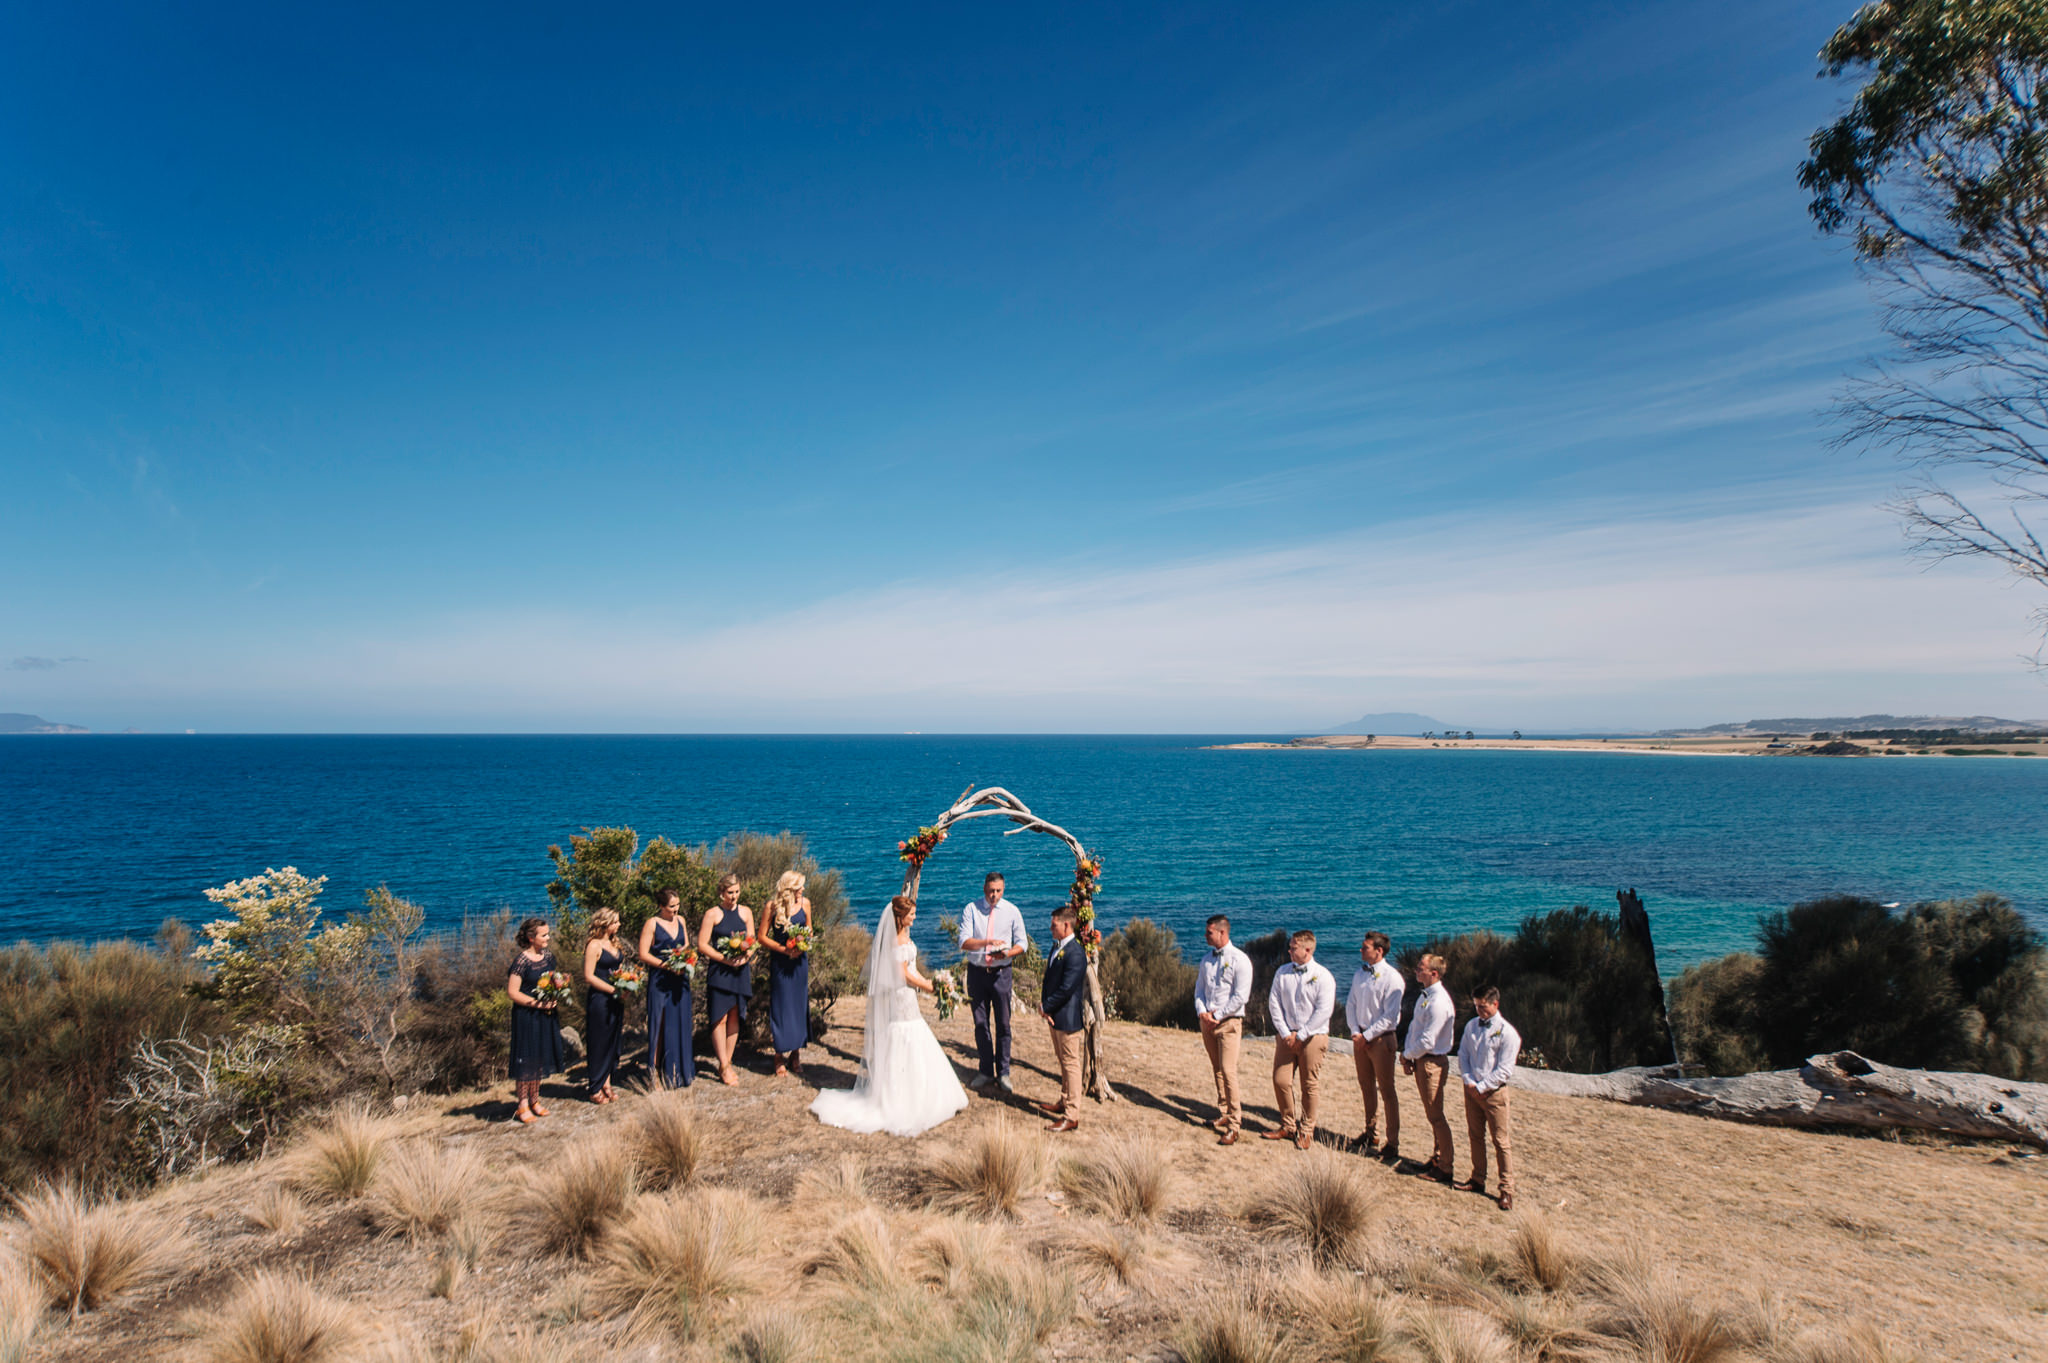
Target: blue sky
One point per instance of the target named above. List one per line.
(1166, 368)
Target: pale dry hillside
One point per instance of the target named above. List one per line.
(726, 1224)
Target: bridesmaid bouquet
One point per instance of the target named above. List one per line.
(682, 960)
(552, 987)
(946, 993)
(802, 939)
(738, 944)
(629, 979)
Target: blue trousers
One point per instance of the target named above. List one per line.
(988, 990)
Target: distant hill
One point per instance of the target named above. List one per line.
(1837, 723)
(36, 724)
(1396, 722)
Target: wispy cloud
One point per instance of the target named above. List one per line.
(32, 663)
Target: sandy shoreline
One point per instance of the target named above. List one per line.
(1696, 747)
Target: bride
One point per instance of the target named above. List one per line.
(906, 1084)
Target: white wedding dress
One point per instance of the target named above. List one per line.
(906, 1085)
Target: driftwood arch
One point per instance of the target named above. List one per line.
(993, 802)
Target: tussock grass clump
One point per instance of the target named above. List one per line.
(860, 1253)
(1233, 1330)
(672, 1255)
(469, 1237)
(340, 1158)
(80, 1255)
(22, 1305)
(1540, 1256)
(1442, 1334)
(1858, 1343)
(1130, 1179)
(951, 1254)
(1130, 1256)
(775, 1337)
(664, 1139)
(277, 1209)
(1650, 1313)
(1008, 1314)
(1321, 1204)
(989, 1175)
(844, 1181)
(422, 1188)
(279, 1318)
(578, 1197)
(1353, 1323)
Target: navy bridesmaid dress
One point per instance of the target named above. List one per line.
(789, 993)
(536, 1034)
(730, 985)
(670, 1014)
(606, 1015)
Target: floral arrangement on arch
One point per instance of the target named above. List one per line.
(1081, 895)
(920, 846)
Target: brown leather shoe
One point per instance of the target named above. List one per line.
(1227, 1138)
(1507, 1202)
(1304, 1139)
(1064, 1124)
(1432, 1173)
(1277, 1134)
(1466, 1185)
(1052, 1109)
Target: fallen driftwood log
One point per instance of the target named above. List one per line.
(1842, 1089)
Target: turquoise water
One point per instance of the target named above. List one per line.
(105, 836)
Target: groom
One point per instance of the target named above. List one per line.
(1060, 1003)
(992, 935)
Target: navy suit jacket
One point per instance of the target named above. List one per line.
(1061, 995)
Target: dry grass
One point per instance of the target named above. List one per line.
(278, 1318)
(468, 1239)
(487, 1338)
(988, 1176)
(1353, 1323)
(1449, 1334)
(860, 1253)
(79, 1255)
(674, 1255)
(1321, 1204)
(1131, 1180)
(951, 1255)
(776, 1336)
(1647, 1311)
(577, 1197)
(1008, 1314)
(1232, 1330)
(664, 1139)
(1130, 1257)
(1858, 1343)
(22, 1308)
(340, 1159)
(277, 1209)
(422, 1188)
(843, 1182)
(1540, 1257)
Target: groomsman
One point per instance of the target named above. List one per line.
(1304, 995)
(1486, 1059)
(1428, 1057)
(1372, 1009)
(992, 935)
(1223, 985)
(1061, 1002)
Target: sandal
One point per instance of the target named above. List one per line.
(539, 1111)
(524, 1114)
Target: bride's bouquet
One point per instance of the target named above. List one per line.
(552, 988)
(629, 979)
(800, 938)
(947, 993)
(738, 944)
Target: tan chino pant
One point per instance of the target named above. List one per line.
(1067, 1047)
(1488, 1113)
(1220, 1040)
(1374, 1061)
(1306, 1059)
(1431, 1073)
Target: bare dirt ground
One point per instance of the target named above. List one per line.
(1944, 1246)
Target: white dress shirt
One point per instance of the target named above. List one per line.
(1433, 1027)
(1223, 982)
(1004, 923)
(1486, 1057)
(1302, 999)
(1373, 1007)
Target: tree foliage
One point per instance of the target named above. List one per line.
(1145, 976)
(1938, 171)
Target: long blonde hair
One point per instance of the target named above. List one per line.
(789, 892)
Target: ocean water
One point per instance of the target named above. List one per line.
(106, 836)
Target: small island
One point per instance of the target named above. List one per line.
(1865, 736)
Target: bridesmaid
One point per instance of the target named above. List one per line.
(789, 973)
(536, 1034)
(729, 978)
(604, 1011)
(671, 1010)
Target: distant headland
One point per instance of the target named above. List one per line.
(36, 724)
(1860, 736)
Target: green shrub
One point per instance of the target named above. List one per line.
(1714, 1013)
(1142, 969)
